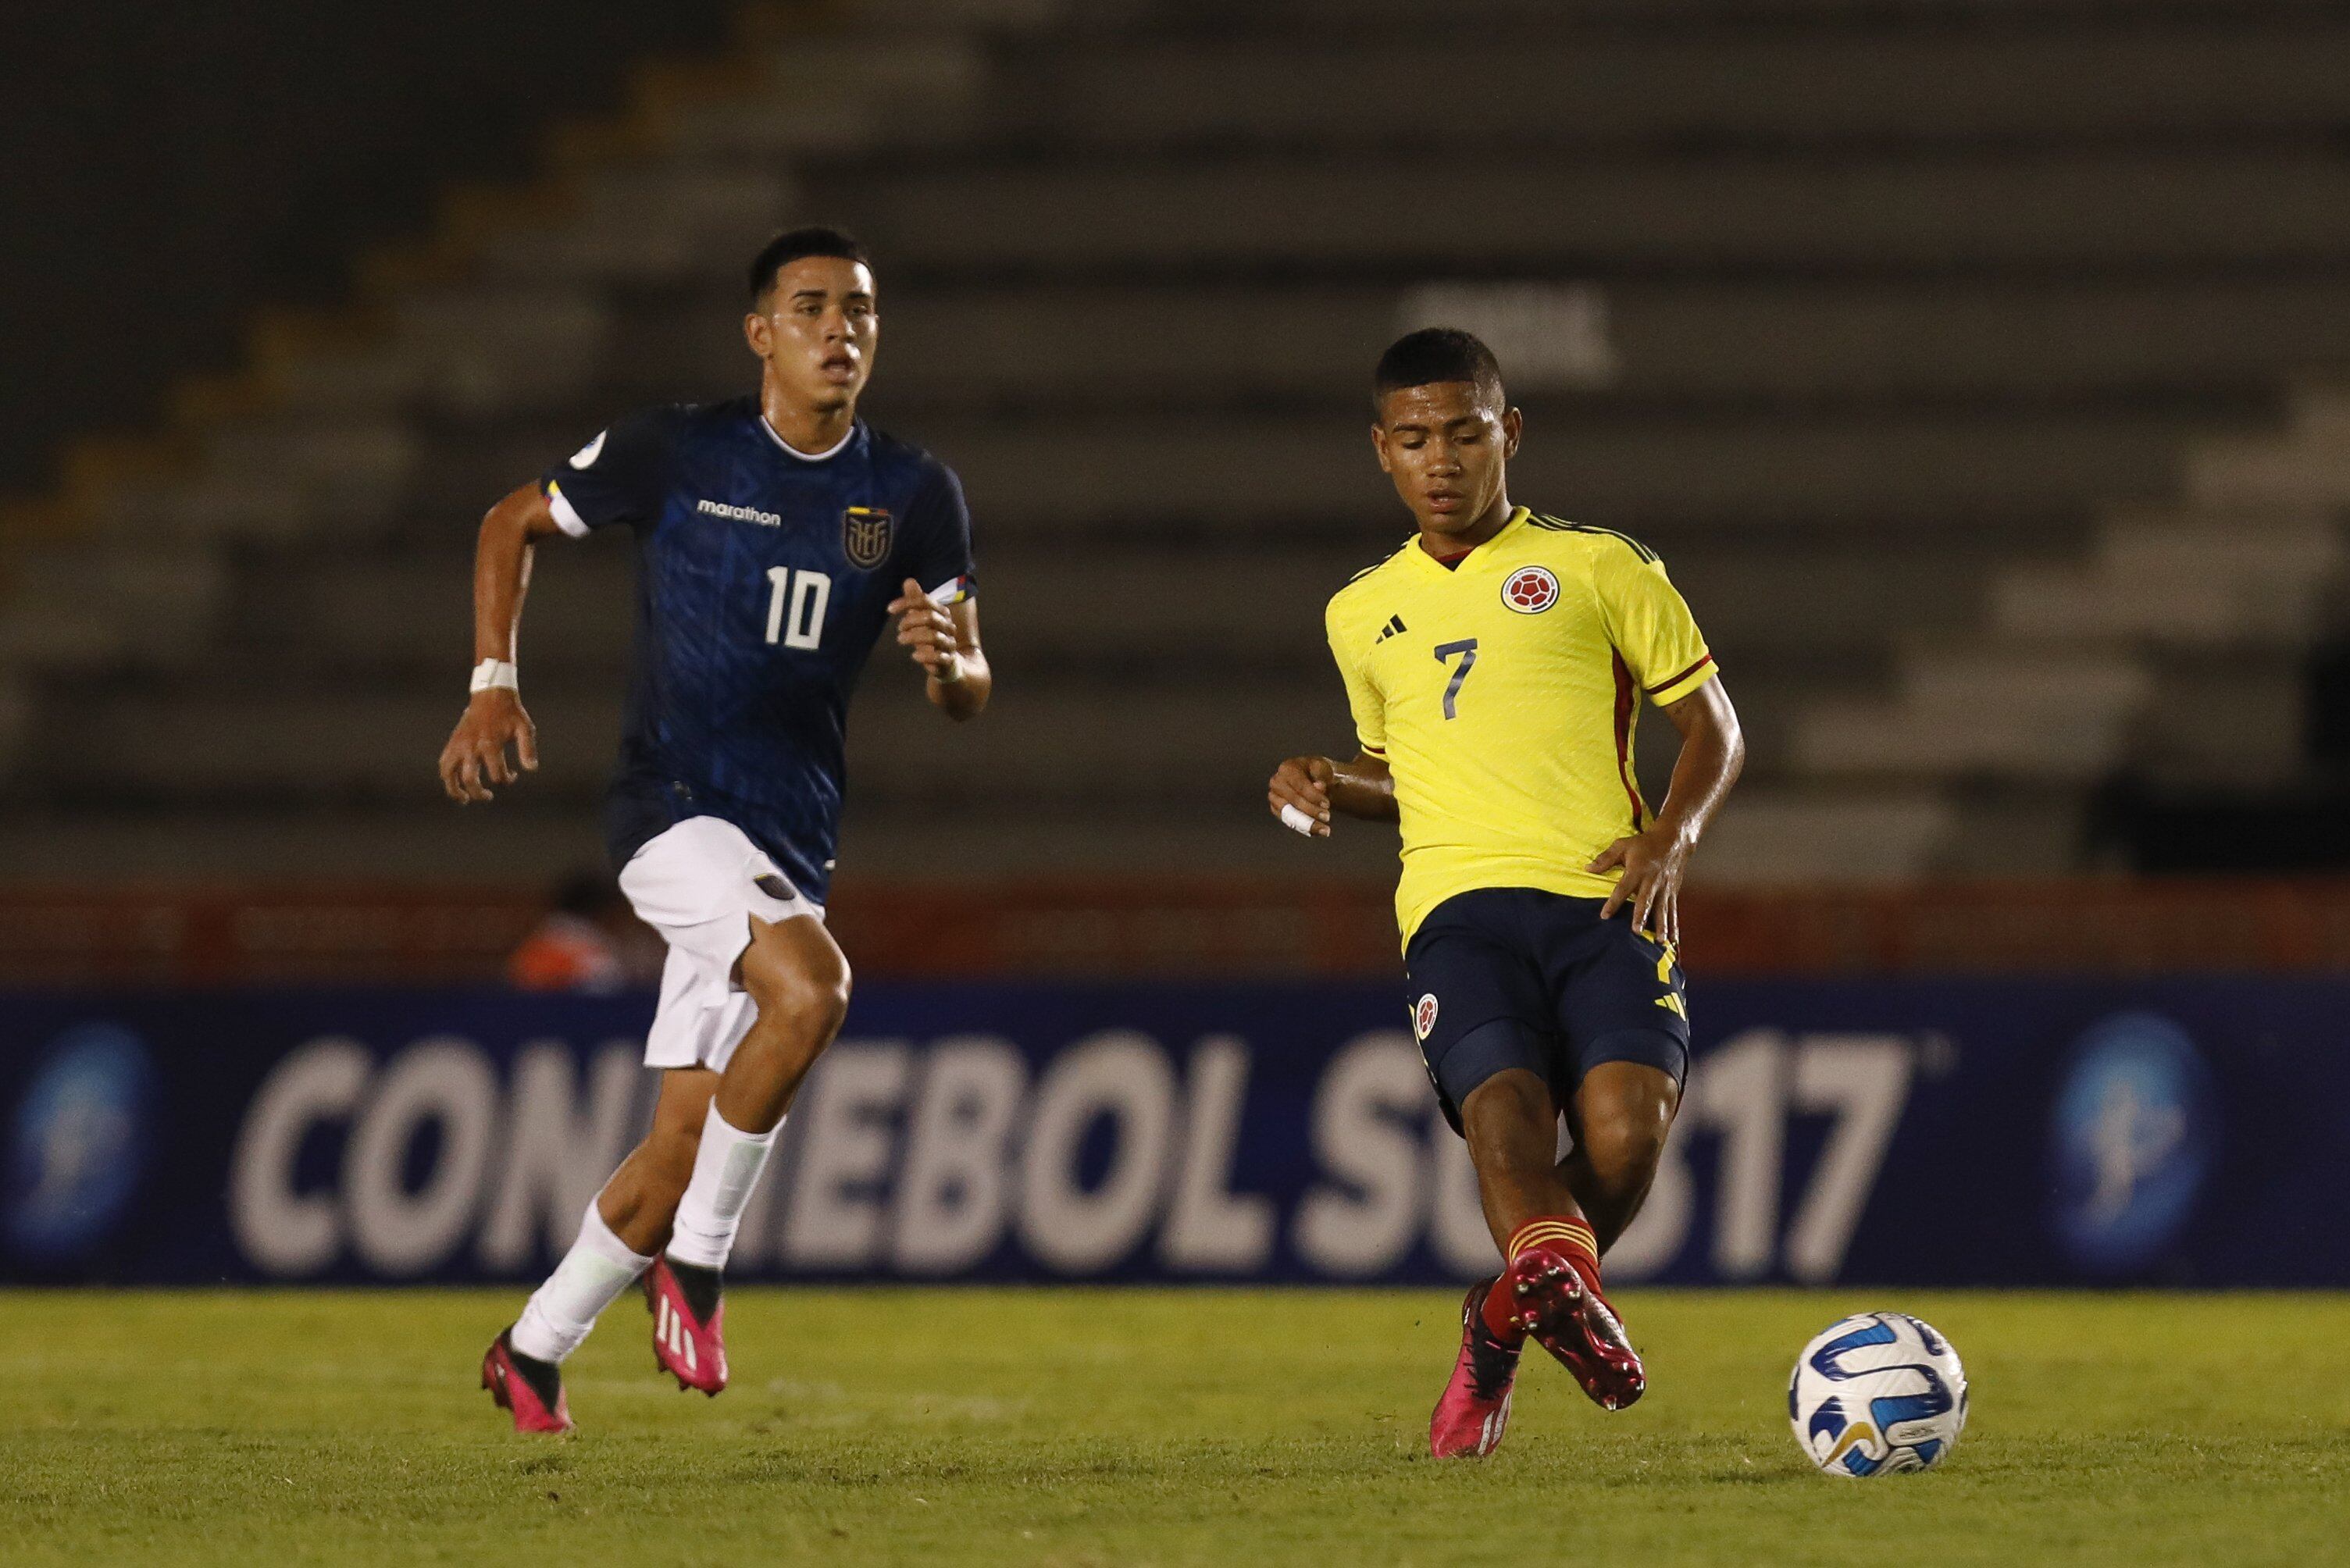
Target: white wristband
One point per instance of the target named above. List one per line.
(495, 674)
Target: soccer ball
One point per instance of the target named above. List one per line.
(1878, 1394)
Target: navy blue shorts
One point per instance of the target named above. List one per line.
(1514, 976)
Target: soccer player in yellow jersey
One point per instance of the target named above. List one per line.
(1494, 665)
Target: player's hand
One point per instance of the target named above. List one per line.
(1304, 783)
(927, 631)
(1653, 862)
(475, 756)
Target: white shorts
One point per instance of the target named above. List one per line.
(698, 883)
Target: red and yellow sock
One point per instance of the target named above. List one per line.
(1560, 1233)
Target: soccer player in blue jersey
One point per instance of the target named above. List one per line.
(776, 536)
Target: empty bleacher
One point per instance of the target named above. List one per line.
(1966, 362)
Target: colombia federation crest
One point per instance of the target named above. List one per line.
(865, 537)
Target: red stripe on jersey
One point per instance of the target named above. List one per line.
(1684, 675)
(1628, 697)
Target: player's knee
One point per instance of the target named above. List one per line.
(1623, 1144)
(1510, 1122)
(807, 992)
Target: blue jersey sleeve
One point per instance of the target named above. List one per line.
(619, 477)
(936, 551)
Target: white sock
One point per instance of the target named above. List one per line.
(591, 1278)
(725, 1168)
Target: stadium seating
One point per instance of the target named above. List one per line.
(1959, 359)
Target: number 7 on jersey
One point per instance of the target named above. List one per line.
(1466, 650)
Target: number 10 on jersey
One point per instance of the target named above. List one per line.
(795, 606)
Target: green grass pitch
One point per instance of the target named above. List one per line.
(1239, 1428)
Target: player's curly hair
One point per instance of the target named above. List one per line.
(792, 245)
(1438, 354)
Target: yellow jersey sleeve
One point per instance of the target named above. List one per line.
(1363, 695)
(1651, 625)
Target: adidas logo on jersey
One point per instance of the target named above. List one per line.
(1394, 625)
(740, 513)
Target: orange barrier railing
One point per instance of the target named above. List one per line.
(2167, 924)
(341, 934)
(52, 936)
(2100, 925)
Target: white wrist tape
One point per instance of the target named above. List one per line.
(495, 674)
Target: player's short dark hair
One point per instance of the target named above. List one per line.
(1438, 354)
(792, 245)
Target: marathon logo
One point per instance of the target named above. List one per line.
(740, 513)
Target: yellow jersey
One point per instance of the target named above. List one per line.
(1500, 690)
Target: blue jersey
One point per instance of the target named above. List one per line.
(763, 577)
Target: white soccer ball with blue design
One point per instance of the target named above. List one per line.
(1877, 1394)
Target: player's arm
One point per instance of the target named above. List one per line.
(475, 756)
(1659, 641)
(1320, 785)
(1654, 861)
(1305, 791)
(939, 626)
(944, 641)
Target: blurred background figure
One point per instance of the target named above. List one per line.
(590, 941)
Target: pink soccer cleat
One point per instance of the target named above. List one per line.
(686, 1344)
(1475, 1405)
(532, 1390)
(1560, 1305)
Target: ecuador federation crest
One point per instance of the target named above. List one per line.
(865, 537)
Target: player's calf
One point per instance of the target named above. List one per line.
(1621, 1113)
(1551, 1288)
(684, 1286)
(800, 982)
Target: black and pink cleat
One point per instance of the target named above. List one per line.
(532, 1390)
(689, 1324)
(1475, 1409)
(1559, 1304)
